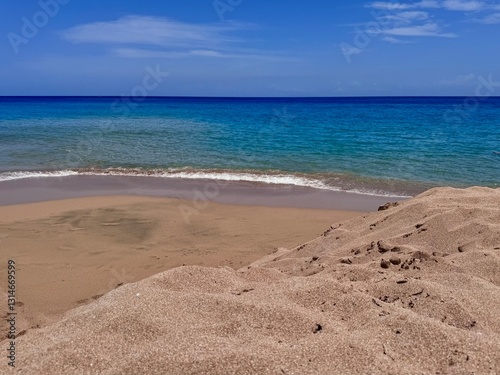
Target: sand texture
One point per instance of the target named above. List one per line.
(70, 252)
(413, 289)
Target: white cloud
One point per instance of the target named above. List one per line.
(392, 40)
(150, 31)
(403, 6)
(463, 5)
(454, 5)
(404, 20)
(141, 53)
(405, 17)
(155, 37)
(491, 19)
(418, 18)
(389, 6)
(428, 29)
(413, 15)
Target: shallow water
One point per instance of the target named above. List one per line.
(396, 146)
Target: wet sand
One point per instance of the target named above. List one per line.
(199, 191)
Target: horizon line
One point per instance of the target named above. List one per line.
(244, 97)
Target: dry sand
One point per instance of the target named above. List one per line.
(70, 252)
(414, 289)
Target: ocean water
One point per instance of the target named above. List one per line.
(390, 146)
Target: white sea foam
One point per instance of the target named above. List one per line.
(186, 173)
(276, 179)
(7, 176)
(279, 179)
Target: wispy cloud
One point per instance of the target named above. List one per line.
(456, 5)
(413, 15)
(409, 19)
(405, 17)
(140, 53)
(428, 29)
(464, 5)
(403, 6)
(490, 19)
(393, 40)
(151, 37)
(150, 31)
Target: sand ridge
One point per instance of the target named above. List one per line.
(413, 289)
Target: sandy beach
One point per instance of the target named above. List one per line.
(239, 187)
(411, 289)
(70, 252)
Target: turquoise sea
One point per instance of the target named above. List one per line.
(392, 146)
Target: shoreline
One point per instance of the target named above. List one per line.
(331, 181)
(111, 230)
(198, 191)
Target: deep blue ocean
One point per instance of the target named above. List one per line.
(394, 146)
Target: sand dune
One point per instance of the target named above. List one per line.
(413, 289)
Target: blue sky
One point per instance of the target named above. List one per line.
(249, 47)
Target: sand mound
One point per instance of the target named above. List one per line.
(411, 289)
